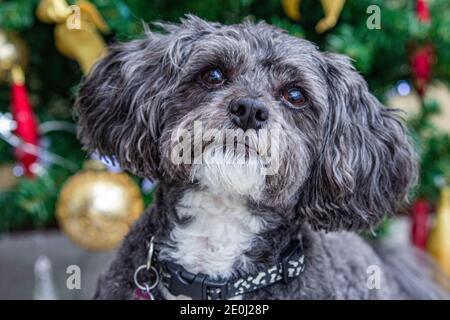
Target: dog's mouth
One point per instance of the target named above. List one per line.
(221, 145)
(234, 169)
(245, 148)
(236, 150)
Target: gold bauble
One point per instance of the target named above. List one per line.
(13, 51)
(439, 241)
(96, 208)
(7, 179)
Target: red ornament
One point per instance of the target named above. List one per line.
(420, 228)
(27, 129)
(421, 62)
(422, 10)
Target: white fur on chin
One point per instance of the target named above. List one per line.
(221, 227)
(233, 174)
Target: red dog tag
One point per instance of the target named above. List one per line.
(143, 295)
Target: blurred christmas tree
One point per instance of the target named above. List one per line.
(411, 43)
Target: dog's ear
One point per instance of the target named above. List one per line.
(366, 164)
(121, 103)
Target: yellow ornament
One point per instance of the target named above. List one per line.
(292, 9)
(77, 30)
(332, 10)
(53, 11)
(439, 241)
(7, 179)
(96, 208)
(13, 51)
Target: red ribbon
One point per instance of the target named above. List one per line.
(26, 126)
(422, 10)
(420, 229)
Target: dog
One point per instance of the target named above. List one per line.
(220, 228)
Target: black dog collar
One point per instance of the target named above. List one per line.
(179, 281)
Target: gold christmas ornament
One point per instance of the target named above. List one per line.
(13, 51)
(53, 11)
(96, 208)
(331, 8)
(8, 180)
(292, 9)
(77, 30)
(439, 241)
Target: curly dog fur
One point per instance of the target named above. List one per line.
(344, 159)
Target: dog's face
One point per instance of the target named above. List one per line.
(249, 110)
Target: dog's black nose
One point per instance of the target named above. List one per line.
(248, 113)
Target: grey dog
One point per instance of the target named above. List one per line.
(345, 160)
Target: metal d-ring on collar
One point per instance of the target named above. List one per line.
(149, 268)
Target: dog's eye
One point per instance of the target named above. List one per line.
(294, 96)
(213, 77)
